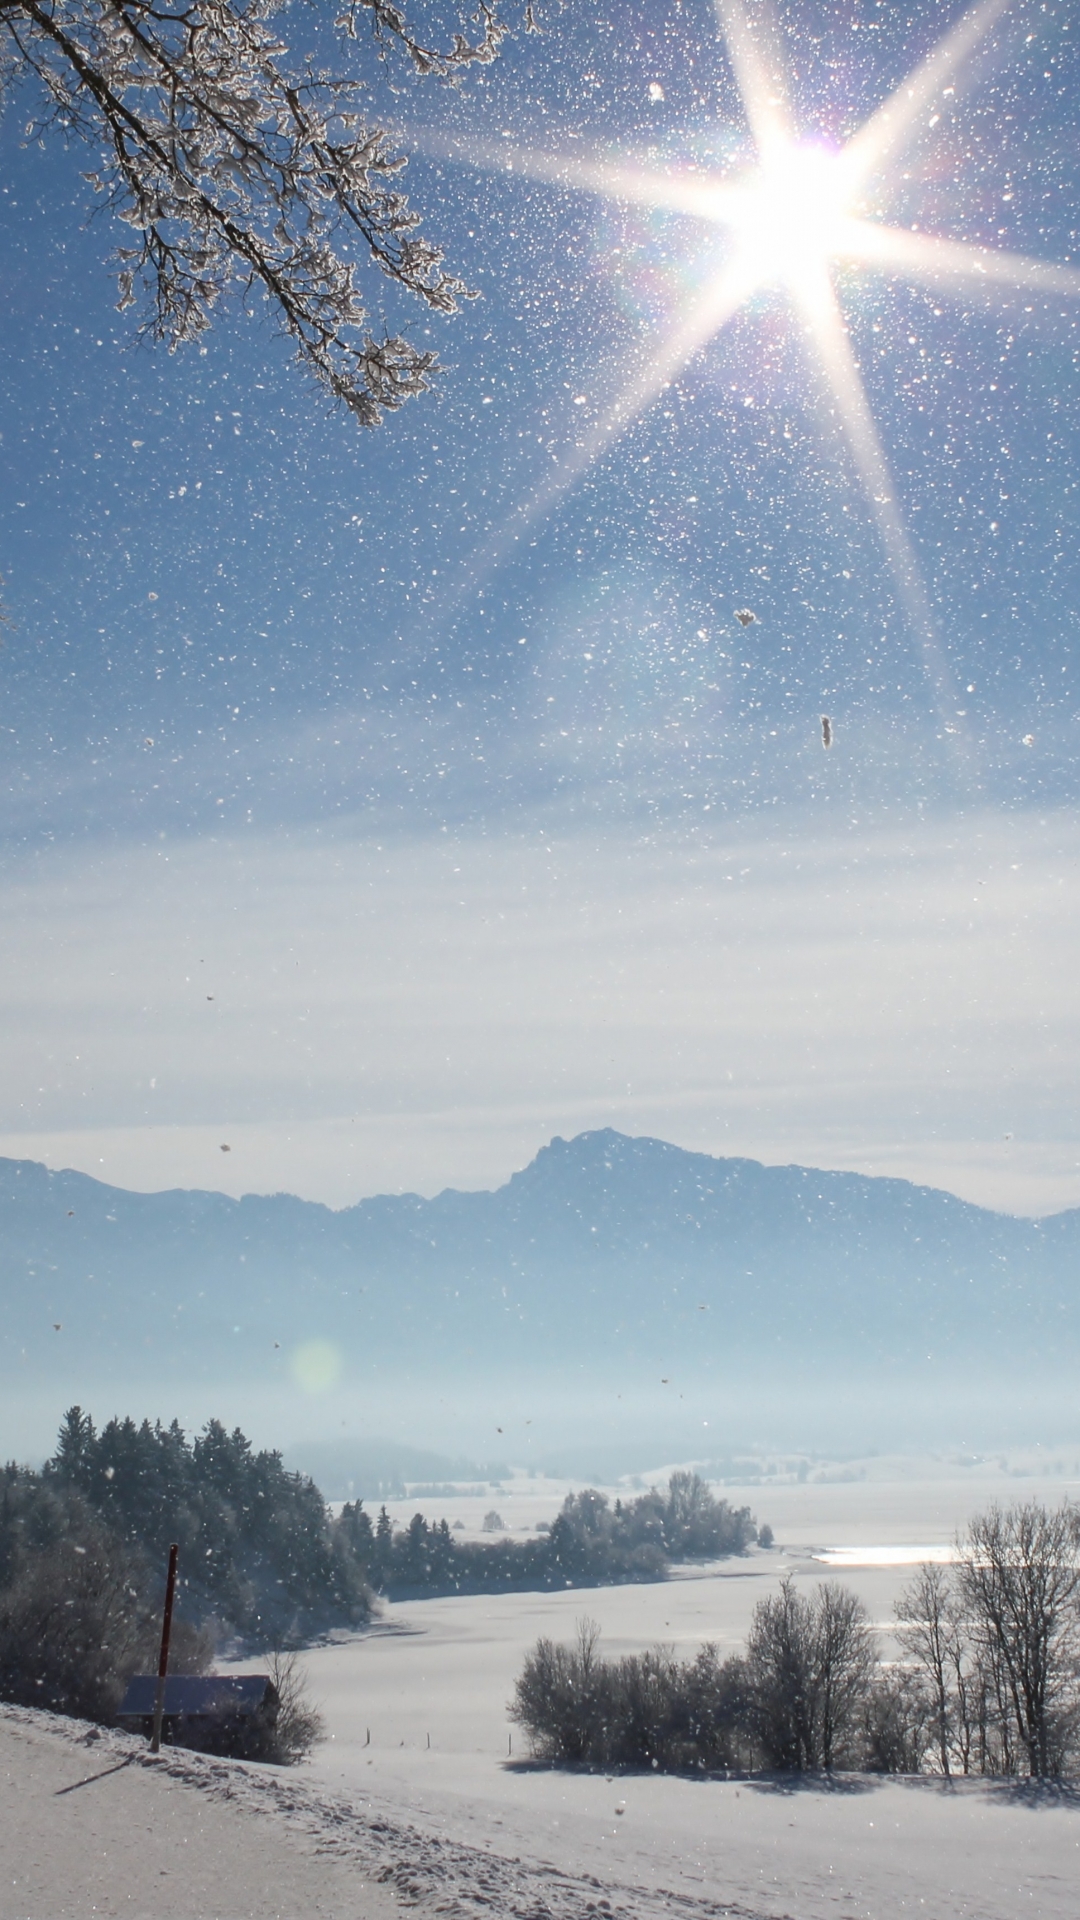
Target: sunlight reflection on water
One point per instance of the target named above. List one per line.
(942, 1553)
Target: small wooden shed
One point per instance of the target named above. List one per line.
(223, 1712)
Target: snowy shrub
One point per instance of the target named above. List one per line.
(646, 1710)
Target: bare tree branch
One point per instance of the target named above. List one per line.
(237, 169)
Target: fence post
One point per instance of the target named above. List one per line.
(163, 1661)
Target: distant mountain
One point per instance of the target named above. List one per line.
(606, 1260)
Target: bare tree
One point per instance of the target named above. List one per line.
(647, 1709)
(896, 1715)
(1020, 1582)
(931, 1631)
(780, 1679)
(557, 1697)
(74, 1624)
(809, 1666)
(238, 166)
(298, 1725)
(993, 1726)
(843, 1668)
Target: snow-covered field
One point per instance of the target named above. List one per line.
(416, 1798)
(418, 1725)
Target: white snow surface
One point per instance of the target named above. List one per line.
(419, 1729)
(90, 1824)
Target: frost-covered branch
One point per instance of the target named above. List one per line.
(237, 168)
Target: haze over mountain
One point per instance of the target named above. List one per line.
(615, 1286)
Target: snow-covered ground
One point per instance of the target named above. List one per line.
(418, 1724)
(91, 1825)
(416, 1798)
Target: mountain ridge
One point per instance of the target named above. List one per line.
(523, 1176)
(608, 1262)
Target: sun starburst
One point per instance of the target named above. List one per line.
(792, 217)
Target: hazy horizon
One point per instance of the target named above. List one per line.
(380, 806)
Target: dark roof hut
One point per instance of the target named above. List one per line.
(229, 1713)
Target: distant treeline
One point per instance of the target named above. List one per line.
(988, 1682)
(263, 1560)
(590, 1543)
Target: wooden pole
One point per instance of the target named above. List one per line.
(163, 1662)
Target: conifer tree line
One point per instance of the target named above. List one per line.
(84, 1544)
(264, 1562)
(987, 1682)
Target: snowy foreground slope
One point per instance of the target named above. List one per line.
(102, 1829)
(90, 1824)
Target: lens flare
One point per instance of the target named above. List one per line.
(316, 1366)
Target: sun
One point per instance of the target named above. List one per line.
(789, 217)
(792, 217)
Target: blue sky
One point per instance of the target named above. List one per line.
(477, 852)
